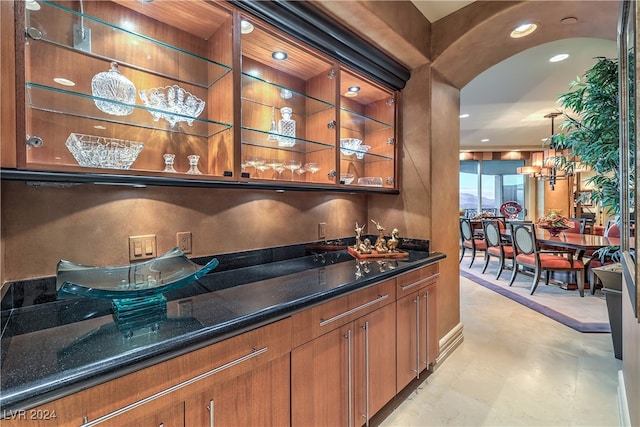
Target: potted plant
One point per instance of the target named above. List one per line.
(591, 133)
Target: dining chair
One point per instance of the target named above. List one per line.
(470, 240)
(528, 254)
(612, 228)
(579, 225)
(497, 245)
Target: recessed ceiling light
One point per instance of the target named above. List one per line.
(485, 140)
(63, 81)
(246, 27)
(279, 55)
(559, 57)
(464, 116)
(523, 30)
(354, 89)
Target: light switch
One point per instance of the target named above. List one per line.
(142, 247)
(137, 248)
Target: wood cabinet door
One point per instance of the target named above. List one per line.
(374, 360)
(321, 387)
(257, 398)
(407, 317)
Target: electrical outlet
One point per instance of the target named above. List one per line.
(142, 247)
(184, 241)
(322, 230)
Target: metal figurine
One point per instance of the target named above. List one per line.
(359, 231)
(392, 244)
(381, 243)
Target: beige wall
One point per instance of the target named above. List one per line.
(90, 224)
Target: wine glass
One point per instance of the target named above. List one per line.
(262, 166)
(252, 162)
(301, 172)
(279, 169)
(312, 167)
(276, 165)
(293, 165)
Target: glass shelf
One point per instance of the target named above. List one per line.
(367, 157)
(360, 123)
(269, 95)
(258, 138)
(61, 101)
(146, 279)
(52, 17)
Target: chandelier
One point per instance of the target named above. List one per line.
(552, 164)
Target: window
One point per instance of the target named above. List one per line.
(498, 183)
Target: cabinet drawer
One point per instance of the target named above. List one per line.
(416, 279)
(326, 317)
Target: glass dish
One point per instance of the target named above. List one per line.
(348, 146)
(347, 178)
(97, 152)
(172, 103)
(145, 279)
(370, 181)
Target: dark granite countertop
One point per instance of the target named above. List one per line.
(55, 348)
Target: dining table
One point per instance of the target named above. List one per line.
(582, 243)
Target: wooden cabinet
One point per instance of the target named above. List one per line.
(288, 109)
(345, 373)
(259, 397)
(417, 332)
(76, 122)
(254, 362)
(367, 132)
(208, 99)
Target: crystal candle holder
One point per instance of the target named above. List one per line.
(193, 165)
(168, 162)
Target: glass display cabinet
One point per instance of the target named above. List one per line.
(367, 133)
(110, 89)
(288, 109)
(133, 92)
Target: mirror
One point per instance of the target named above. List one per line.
(628, 154)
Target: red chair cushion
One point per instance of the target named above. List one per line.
(550, 262)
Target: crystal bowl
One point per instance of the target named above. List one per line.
(370, 181)
(172, 103)
(348, 146)
(98, 152)
(347, 178)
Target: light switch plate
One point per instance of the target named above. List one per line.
(143, 247)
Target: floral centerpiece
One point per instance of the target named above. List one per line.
(554, 223)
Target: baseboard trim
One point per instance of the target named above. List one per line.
(623, 405)
(448, 344)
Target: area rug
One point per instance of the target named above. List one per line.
(588, 314)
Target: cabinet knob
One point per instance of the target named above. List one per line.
(331, 124)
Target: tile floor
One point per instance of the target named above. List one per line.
(516, 367)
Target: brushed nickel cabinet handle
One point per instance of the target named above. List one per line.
(419, 282)
(353, 310)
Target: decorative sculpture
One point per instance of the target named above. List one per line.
(381, 243)
(382, 248)
(392, 243)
